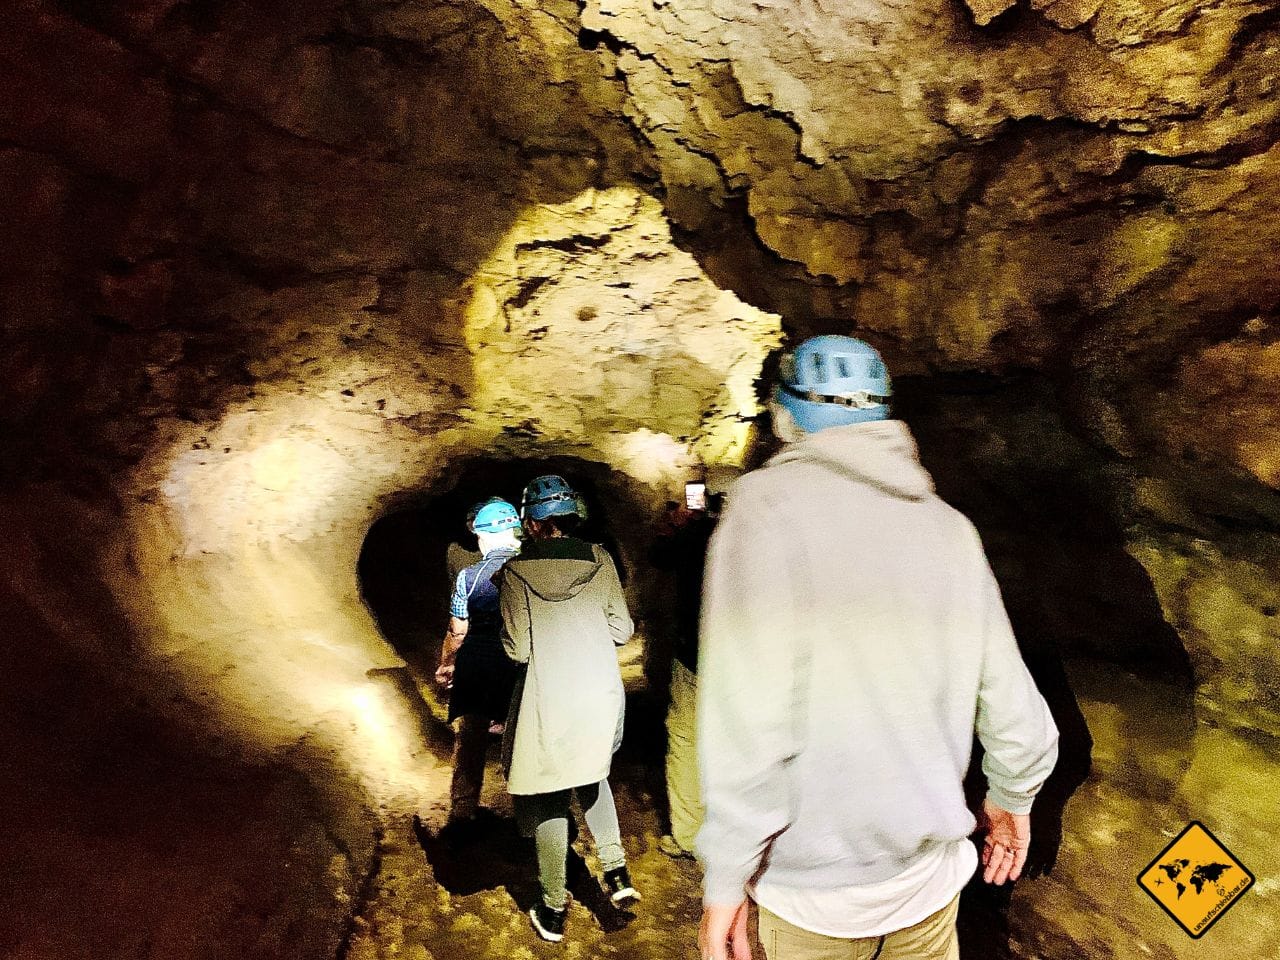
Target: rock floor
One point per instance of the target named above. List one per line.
(433, 899)
(437, 898)
(440, 899)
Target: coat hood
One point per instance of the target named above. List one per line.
(882, 454)
(553, 579)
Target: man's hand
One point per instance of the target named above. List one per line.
(674, 519)
(1004, 850)
(723, 935)
(453, 638)
(444, 675)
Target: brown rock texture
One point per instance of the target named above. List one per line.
(272, 271)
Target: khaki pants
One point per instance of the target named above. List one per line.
(684, 791)
(933, 938)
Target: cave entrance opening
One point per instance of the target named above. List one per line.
(411, 555)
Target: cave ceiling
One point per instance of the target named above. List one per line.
(1081, 188)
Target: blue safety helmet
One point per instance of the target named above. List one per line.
(548, 496)
(832, 381)
(494, 516)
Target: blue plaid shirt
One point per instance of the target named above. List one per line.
(475, 595)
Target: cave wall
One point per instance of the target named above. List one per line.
(251, 201)
(269, 266)
(238, 286)
(254, 301)
(303, 292)
(1082, 190)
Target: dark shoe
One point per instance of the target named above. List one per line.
(618, 883)
(549, 923)
(671, 847)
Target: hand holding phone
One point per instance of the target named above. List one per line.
(695, 496)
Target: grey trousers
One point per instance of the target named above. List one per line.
(545, 817)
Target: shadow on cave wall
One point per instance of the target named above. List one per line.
(1045, 505)
(1048, 508)
(129, 834)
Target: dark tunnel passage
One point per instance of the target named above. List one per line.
(412, 554)
(407, 564)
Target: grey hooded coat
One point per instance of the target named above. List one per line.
(853, 640)
(563, 613)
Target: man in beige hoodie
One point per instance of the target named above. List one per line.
(853, 640)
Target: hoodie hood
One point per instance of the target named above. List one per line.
(555, 578)
(881, 454)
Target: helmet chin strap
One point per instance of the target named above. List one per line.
(785, 427)
(858, 400)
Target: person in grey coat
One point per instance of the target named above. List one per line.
(853, 641)
(564, 616)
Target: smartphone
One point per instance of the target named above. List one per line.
(695, 496)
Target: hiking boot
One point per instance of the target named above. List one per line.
(618, 883)
(671, 847)
(549, 923)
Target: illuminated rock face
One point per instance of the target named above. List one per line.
(270, 269)
(588, 327)
(290, 242)
(982, 186)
